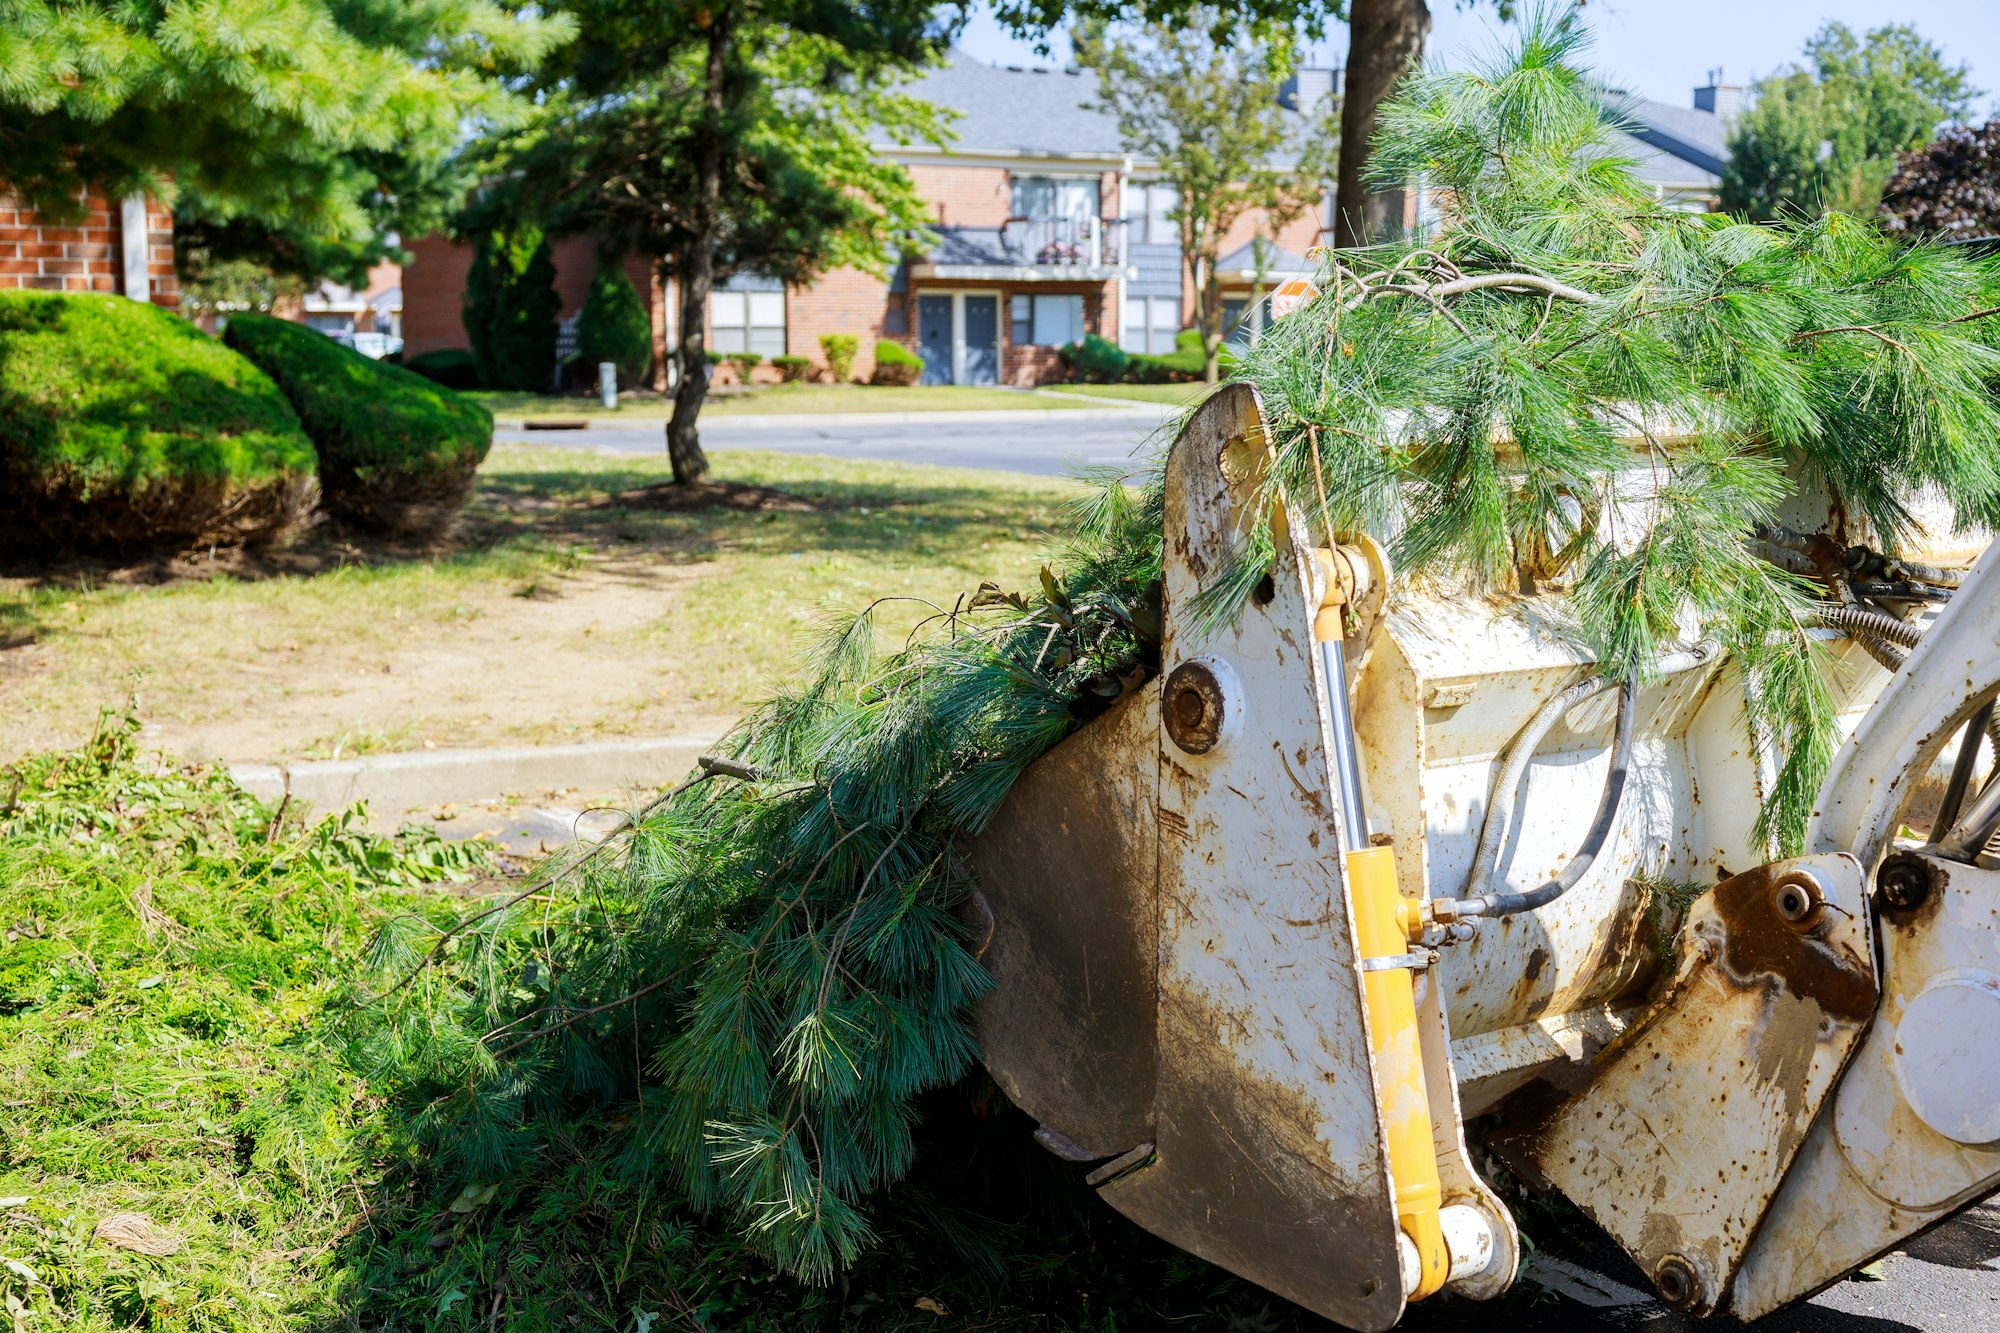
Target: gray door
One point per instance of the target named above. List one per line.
(934, 337)
(982, 340)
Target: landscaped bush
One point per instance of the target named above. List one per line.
(614, 326)
(452, 367)
(742, 363)
(896, 364)
(1095, 360)
(793, 368)
(1185, 362)
(125, 428)
(397, 451)
(840, 349)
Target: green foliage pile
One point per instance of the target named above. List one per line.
(510, 309)
(396, 450)
(174, 958)
(165, 943)
(124, 428)
(614, 326)
(1825, 135)
(764, 974)
(896, 364)
(840, 349)
(1095, 360)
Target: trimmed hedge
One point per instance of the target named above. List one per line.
(1095, 359)
(840, 350)
(794, 368)
(124, 428)
(452, 367)
(397, 451)
(896, 364)
(1184, 362)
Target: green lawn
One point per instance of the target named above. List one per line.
(1179, 395)
(788, 399)
(553, 614)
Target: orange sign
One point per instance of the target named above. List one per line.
(1290, 295)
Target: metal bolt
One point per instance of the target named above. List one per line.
(1192, 705)
(1905, 880)
(1796, 899)
(1677, 1282)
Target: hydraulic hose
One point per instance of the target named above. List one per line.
(1601, 825)
(1492, 832)
(1864, 625)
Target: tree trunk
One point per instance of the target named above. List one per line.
(1383, 38)
(696, 269)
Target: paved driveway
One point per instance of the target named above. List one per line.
(1044, 443)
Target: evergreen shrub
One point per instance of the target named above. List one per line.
(510, 310)
(840, 349)
(397, 451)
(1095, 360)
(453, 367)
(125, 428)
(1185, 362)
(896, 364)
(614, 326)
(793, 368)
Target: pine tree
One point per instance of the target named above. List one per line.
(766, 968)
(510, 309)
(297, 133)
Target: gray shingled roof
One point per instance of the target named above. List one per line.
(1699, 138)
(1012, 109)
(1038, 112)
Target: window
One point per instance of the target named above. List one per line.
(1148, 208)
(1046, 321)
(1150, 324)
(1053, 197)
(747, 322)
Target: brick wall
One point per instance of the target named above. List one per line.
(965, 196)
(846, 300)
(86, 254)
(434, 289)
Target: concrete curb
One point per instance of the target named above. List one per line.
(432, 777)
(794, 420)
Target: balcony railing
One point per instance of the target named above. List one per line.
(1065, 242)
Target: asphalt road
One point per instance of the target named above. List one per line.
(1047, 445)
(1947, 1281)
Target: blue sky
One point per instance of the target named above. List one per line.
(1664, 48)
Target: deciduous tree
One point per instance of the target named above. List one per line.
(1824, 135)
(1950, 187)
(729, 139)
(1207, 115)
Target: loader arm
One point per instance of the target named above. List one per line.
(1258, 963)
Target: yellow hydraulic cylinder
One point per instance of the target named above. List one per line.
(1390, 993)
(1384, 926)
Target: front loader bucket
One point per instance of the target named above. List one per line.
(1179, 994)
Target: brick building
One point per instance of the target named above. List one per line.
(1045, 229)
(123, 246)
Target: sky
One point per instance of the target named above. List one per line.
(1663, 49)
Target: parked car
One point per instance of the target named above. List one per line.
(376, 345)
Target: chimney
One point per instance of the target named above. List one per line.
(1308, 87)
(1719, 99)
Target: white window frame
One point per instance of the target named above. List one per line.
(737, 330)
(1158, 323)
(1147, 204)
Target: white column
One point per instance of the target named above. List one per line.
(132, 245)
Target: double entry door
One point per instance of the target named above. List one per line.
(958, 334)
